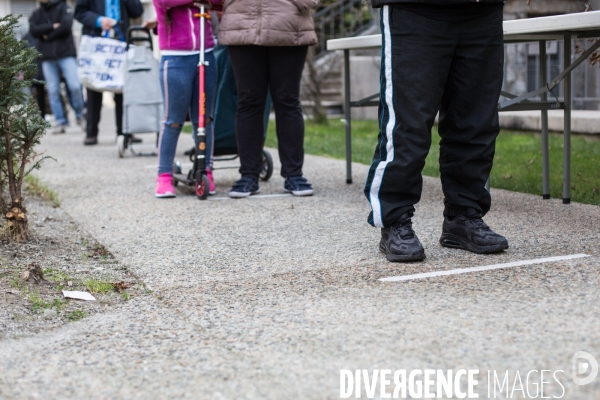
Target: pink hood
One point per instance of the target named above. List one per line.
(178, 29)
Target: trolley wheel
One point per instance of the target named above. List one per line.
(202, 188)
(121, 145)
(267, 166)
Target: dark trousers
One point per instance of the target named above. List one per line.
(40, 98)
(434, 60)
(94, 107)
(257, 70)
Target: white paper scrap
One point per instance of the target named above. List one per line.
(79, 295)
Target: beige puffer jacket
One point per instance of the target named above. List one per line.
(268, 23)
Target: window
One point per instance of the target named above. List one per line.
(553, 63)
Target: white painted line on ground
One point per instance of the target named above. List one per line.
(254, 196)
(482, 268)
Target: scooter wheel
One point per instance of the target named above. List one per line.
(202, 188)
(176, 170)
(121, 146)
(177, 167)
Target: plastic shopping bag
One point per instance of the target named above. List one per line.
(101, 63)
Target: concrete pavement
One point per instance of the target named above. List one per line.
(270, 297)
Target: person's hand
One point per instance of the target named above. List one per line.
(107, 23)
(55, 25)
(152, 24)
(45, 37)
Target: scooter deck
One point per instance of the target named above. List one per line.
(183, 178)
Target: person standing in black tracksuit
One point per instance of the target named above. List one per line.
(98, 16)
(444, 55)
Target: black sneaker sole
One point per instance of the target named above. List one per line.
(300, 193)
(242, 195)
(419, 256)
(456, 242)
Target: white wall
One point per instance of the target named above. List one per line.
(4, 8)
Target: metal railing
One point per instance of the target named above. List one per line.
(341, 19)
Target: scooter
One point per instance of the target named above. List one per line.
(197, 175)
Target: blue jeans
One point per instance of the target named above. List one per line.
(179, 84)
(52, 71)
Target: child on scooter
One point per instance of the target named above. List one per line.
(179, 40)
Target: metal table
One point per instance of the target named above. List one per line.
(561, 27)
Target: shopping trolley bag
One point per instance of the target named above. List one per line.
(142, 98)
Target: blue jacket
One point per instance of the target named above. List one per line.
(88, 11)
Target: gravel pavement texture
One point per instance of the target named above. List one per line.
(270, 297)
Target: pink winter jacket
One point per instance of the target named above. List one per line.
(178, 28)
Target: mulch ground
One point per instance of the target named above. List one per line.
(59, 256)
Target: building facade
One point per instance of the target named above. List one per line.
(522, 60)
(26, 7)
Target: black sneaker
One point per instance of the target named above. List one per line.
(298, 186)
(244, 188)
(400, 243)
(469, 232)
(129, 138)
(90, 141)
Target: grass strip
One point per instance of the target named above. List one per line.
(37, 188)
(517, 164)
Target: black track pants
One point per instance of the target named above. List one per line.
(94, 109)
(259, 69)
(454, 65)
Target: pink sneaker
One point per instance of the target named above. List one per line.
(164, 186)
(211, 190)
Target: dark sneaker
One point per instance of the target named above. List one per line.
(298, 186)
(400, 243)
(90, 141)
(129, 138)
(244, 188)
(472, 234)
